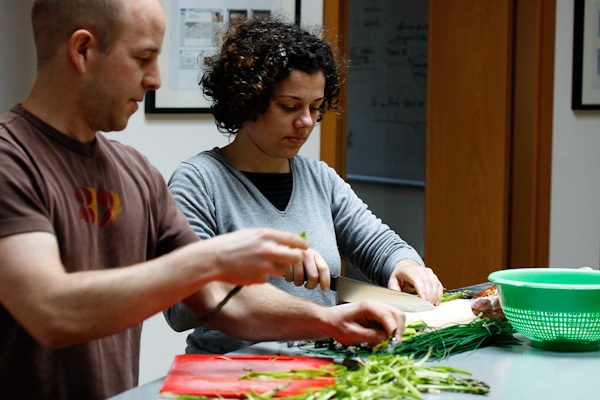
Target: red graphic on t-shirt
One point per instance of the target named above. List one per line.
(98, 207)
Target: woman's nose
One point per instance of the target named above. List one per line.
(305, 118)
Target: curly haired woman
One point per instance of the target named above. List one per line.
(270, 84)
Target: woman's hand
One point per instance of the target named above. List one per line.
(310, 272)
(409, 276)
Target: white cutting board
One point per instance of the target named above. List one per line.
(446, 314)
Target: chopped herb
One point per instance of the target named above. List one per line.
(379, 376)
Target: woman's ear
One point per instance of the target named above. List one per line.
(80, 44)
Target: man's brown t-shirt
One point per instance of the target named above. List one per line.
(108, 207)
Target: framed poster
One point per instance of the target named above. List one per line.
(586, 55)
(192, 27)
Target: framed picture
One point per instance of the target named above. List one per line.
(192, 27)
(586, 55)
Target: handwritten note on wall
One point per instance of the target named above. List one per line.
(387, 89)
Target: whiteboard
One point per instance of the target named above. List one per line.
(387, 90)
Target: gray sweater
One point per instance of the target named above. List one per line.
(217, 198)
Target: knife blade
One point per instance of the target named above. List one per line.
(352, 291)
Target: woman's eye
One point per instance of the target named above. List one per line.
(293, 108)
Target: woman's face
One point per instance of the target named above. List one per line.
(290, 118)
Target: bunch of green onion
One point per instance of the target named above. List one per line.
(419, 340)
(455, 339)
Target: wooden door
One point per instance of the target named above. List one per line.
(487, 201)
(336, 16)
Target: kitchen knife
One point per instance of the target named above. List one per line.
(352, 291)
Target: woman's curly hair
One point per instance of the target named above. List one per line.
(255, 56)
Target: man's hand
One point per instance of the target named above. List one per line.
(250, 255)
(368, 322)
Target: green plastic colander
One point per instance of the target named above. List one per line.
(557, 308)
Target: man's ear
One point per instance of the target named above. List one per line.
(80, 44)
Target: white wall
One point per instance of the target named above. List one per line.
(575, 201)
(166, 140)
(17, 52)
